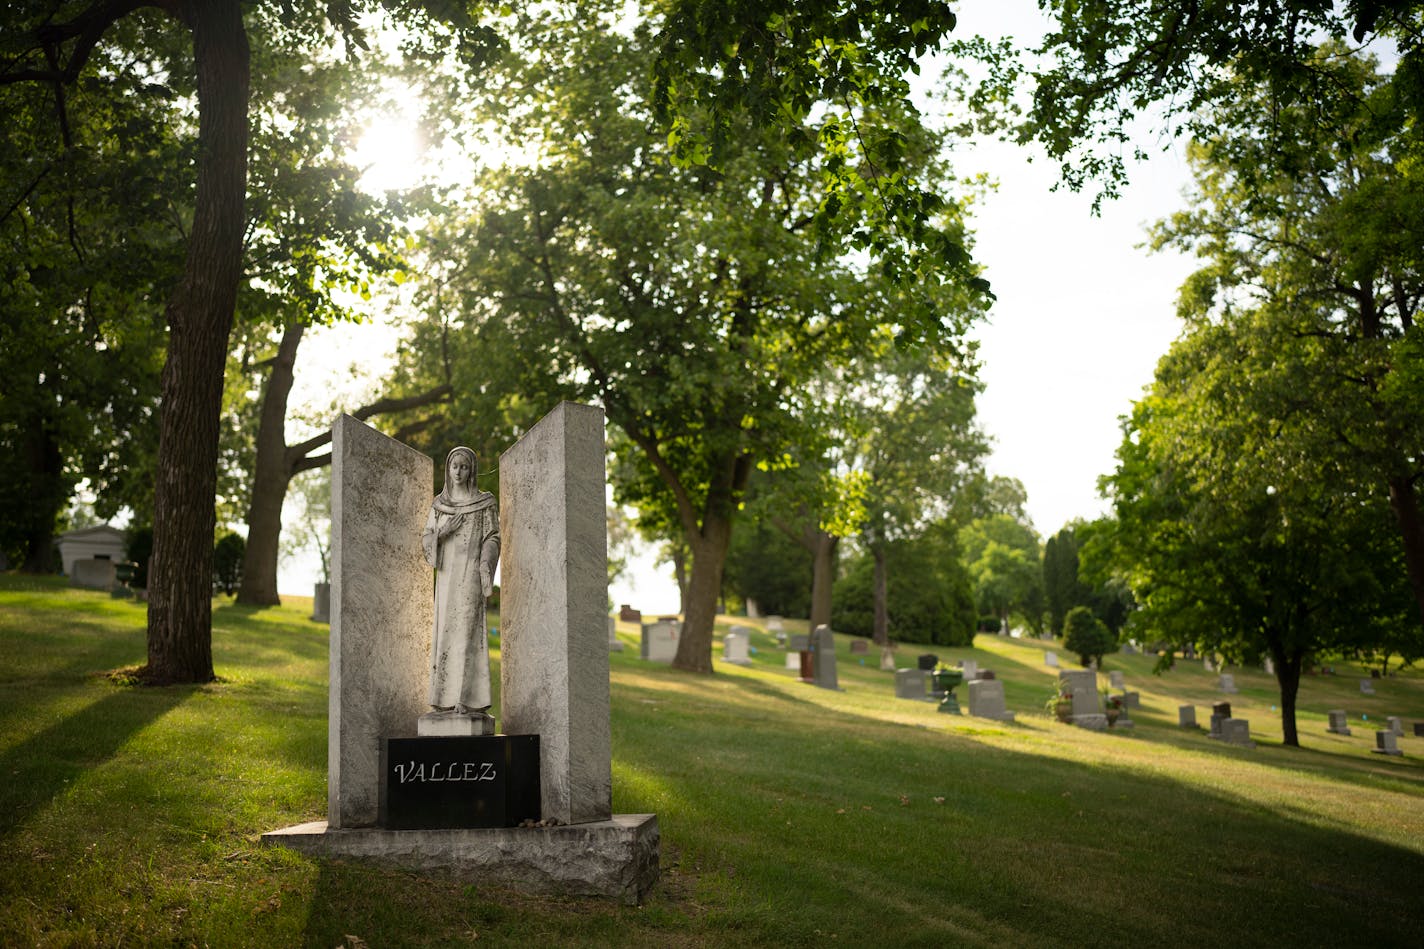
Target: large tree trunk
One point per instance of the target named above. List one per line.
(709, 556)
(272, 473)
(200, 315)
(823, 577)
(1288, 678)
(1405, 504)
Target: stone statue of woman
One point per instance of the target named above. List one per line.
(461, 541)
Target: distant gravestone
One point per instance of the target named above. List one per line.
(1366, 687)
(1050, 658)
(928, 661)
(1187, 716)
(626, 614)
(321, 603)
(1396, 725)
(887, 659)
(1132, 700)
(1337, 722)
(1115, 679)
(614, 643)
(93, 573)
(986, 700)
(1082, 685)
(971, 670)
(798, 642)
(1220, 712)
(1386, 743)
(1419, 729)
(1128, 649)
(1237, 731)
(823, 651)
(1227, 683)
(912, 684)
(793, 661)
(659, 642)
(735, 647)
(859, 647)
(1207, 665)
(773, 624)
(1270, 666)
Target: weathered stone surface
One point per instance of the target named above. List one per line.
(382, 610)
(614, 859)
(553, 598)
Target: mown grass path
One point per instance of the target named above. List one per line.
(790, 815)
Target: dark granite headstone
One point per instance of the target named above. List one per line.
(1221, 708)
(440, 783)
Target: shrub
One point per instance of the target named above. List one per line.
(1085, 634)
(227, 563)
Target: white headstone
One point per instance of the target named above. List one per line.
(382, 611)
(553, 598)
(971, 670)
(793, 661)
(1227, 682)
(986, 700)
(659, 642)
(1187, 716)
(1206, 664)
(1115, 679)
(1396, 724)
(614, 643)
(1270, 666)
(1050, 658)
(735, 646)
(887, 659)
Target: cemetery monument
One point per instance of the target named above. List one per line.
(532, 808)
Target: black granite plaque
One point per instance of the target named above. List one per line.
(449, 782)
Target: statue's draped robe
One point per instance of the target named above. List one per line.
(459, 655)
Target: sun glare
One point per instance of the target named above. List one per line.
(390, 154)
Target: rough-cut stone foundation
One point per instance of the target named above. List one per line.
(612, 859)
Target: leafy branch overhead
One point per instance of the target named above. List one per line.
(833, 80)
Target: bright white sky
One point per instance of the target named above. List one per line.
(1082, 316)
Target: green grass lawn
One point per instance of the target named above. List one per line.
(790, 815)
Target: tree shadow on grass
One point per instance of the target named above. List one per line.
(35, 771)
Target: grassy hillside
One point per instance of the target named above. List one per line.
(790, 815)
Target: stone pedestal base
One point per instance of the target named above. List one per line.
(454, 725)
(1098, 723)
(613, 859)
